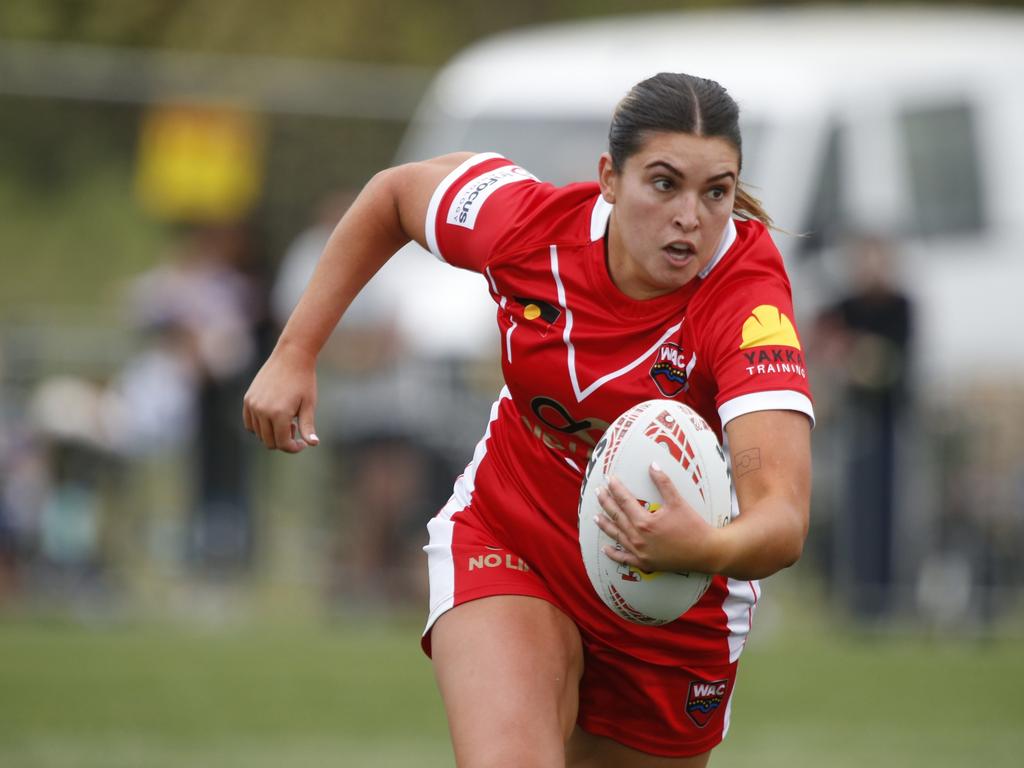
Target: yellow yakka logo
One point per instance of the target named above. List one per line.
(768, 327)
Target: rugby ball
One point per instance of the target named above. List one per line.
(687, 449)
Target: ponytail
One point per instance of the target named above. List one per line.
(749, 207)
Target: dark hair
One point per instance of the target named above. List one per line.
(680, 103)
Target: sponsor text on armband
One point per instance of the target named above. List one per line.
(470, 198)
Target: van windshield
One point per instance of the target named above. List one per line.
(559, 150)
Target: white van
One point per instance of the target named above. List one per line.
(906, 122)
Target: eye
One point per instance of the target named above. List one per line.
(717, 193)
(663, 184)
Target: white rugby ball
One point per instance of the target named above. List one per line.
(686, 448)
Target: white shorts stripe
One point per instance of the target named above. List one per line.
(739, 607)
(440, 562)
(727, 719)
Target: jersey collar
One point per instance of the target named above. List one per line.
(728, 238)
(599, 216)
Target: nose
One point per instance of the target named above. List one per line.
(686, 214)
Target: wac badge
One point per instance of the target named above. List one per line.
(671, 370)
(703, 699)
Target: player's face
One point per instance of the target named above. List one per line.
(672, 201)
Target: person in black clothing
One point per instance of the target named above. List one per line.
(871, 332)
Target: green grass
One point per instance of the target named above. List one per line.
(830, 700)
(152, 696)
(303, 693)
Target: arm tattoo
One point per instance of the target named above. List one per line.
(746, 461)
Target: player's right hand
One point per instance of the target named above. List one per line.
(280, 403)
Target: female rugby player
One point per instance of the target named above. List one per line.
(660, 280)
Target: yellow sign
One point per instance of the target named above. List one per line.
(199, 163)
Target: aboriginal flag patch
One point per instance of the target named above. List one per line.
(703, 700)
(535, 308)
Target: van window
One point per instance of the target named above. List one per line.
(826, 221)
(942, 159)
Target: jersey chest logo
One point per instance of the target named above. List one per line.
(672, 368)
(559, 430)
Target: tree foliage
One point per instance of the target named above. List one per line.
(407, 31)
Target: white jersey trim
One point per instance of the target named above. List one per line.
(581, 395)
(430, 227)
(441, 528)
(772, 400)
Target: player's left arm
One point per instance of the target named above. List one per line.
(771, 470)
(771, 465)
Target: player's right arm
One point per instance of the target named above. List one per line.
(389, 212)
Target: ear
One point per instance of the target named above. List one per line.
(607, 177)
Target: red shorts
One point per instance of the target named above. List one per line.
(670, 711)
(667, 711)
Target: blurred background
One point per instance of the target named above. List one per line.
(170, 170)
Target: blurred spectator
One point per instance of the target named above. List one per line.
(24, 487)
(155, 392)
(973, 571)
(72, 440)
(201, 310)
(27, 476)
(9, 533)
(866, 338)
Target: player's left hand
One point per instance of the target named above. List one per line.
(673, 537)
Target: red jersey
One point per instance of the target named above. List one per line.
(577, 352)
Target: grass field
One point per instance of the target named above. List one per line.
(307, 694)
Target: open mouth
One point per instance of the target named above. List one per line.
(680, 252)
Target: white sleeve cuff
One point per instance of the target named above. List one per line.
(772, 400)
